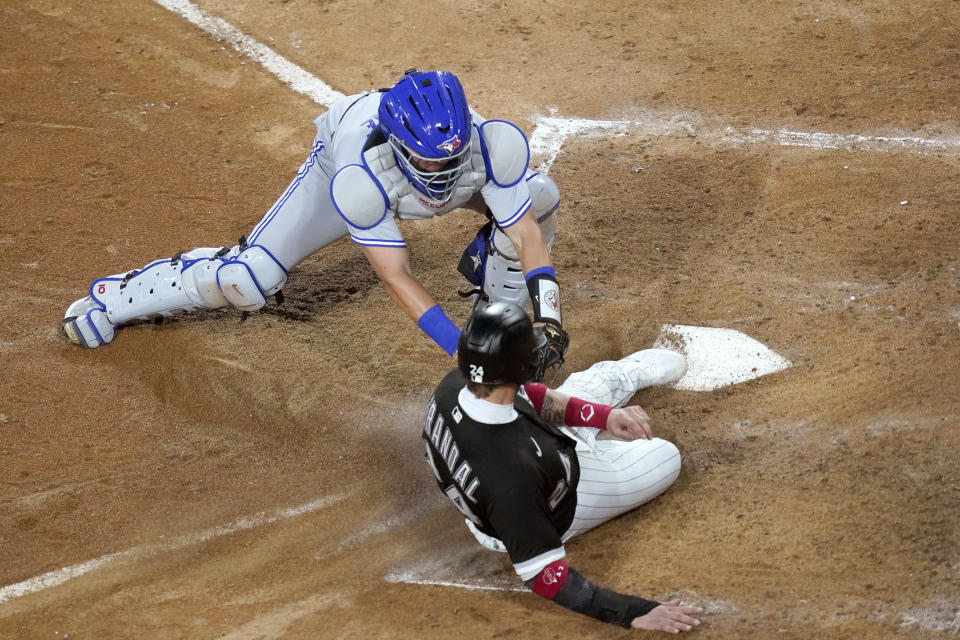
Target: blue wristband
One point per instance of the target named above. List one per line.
(548, 271)
(435, 323)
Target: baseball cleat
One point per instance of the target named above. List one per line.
(86, 324)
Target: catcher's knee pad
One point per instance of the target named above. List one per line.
(249, 278)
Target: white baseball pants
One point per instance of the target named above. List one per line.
(617, 476)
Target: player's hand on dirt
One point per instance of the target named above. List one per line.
(671, 617)
(629, 423)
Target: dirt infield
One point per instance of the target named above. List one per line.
(212, 478)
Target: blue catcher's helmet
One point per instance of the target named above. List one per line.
(425, 116)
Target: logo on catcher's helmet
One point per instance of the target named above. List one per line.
(450, 145)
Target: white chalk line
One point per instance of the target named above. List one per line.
(550, 132)
(402, 578)
(60, 576)
(298, 78)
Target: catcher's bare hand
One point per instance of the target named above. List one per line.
(671, 617)
(629, 423)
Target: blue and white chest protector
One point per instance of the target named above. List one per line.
(350, 184)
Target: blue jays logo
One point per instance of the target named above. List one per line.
(552, 300)
(450, 145)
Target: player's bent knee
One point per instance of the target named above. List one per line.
(671, 461)
(643, 468)
(664, 467)
(248, 279)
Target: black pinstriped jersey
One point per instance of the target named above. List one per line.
(515, 479)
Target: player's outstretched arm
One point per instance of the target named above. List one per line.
(392, 265)
(540, 276)
(567, 587)
(559, 409)
(529, 243)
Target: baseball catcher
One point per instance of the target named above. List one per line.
(530, 467)
(413, 151)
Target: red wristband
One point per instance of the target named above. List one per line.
(536, 392)
(550, 579)
(580, 413)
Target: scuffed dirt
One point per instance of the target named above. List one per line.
(821, 501)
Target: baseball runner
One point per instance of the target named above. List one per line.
(530, 467)
(413, 151)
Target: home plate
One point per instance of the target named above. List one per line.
(718, 357)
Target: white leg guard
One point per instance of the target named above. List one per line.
(503, 279)
(203, 278)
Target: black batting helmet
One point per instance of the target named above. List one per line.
(499, 346)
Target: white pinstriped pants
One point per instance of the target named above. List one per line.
(615, 476)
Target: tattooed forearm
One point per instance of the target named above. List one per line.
(553, 409)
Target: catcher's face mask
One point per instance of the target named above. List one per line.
(425, 116)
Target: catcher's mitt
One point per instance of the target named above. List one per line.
(553, 350)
